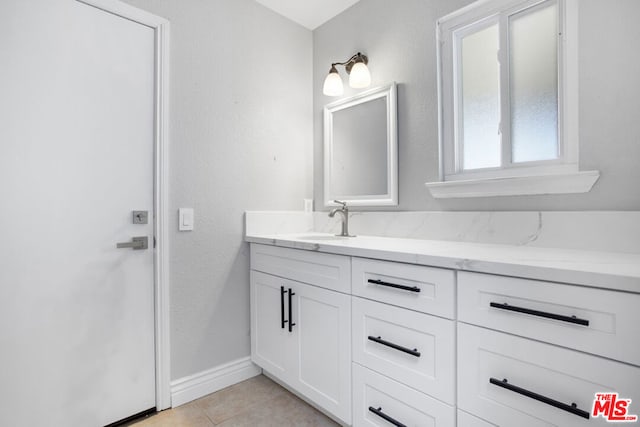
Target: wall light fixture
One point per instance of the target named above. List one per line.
(359, 76)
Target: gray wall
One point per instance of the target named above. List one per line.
(241, 139)
(399, 38)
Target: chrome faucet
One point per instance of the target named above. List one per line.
(344, 213)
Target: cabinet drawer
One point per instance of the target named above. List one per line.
(375, 392)
(324, 270)
(413, 348)
(592, 320)
(426, 289)
(565, 376)
(467, 420)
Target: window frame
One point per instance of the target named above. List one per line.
(481, 14)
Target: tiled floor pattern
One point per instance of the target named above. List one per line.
(252, 403)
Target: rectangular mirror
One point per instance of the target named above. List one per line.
(361, 149)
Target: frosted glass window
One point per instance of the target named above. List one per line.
(533, 76)
(480, 99)
(503, 67)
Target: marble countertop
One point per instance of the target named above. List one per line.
(619, 271)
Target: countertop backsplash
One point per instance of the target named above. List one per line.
(609, 231)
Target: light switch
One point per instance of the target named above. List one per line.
(185, 219)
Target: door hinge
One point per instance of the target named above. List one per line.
(154, 242)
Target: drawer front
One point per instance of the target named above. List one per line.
(426, 289)
(376, 396)
(561, 375)
(413, 348)
(467, 420)
(324, 270)
(613, 317)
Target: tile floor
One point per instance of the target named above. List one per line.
(252, 403)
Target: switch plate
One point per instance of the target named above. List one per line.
(185, 219)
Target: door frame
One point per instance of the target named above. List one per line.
(161, 29)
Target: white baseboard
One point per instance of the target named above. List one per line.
(195, 386)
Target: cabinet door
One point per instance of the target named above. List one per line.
(322, 333)
(271, 342)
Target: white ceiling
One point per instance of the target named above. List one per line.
(308, 13)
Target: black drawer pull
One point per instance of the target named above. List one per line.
(573, 408)
(569, 319)
(282, 292)
(379, 340)
(386, 417)
(393, 285)
(291, 324)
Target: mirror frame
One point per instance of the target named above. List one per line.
(390, 198)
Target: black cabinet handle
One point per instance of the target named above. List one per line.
(573, 408)
(393, 285)
(386, 417)
(379, 340)
(569, 319)
(282, 292)
(291, 324)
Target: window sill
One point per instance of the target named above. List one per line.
(575, 182)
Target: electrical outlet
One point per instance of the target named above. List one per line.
(308, 205)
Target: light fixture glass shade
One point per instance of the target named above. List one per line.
(333, 85)
(360, 76)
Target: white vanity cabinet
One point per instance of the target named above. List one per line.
(379, 343)
(301, 333)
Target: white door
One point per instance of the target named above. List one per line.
(76, 158)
